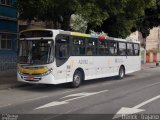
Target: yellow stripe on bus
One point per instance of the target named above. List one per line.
(33, 71)
(40, 29)
(80, 34)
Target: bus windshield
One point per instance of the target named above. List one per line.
(36, 52)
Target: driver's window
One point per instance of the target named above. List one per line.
(62, 46)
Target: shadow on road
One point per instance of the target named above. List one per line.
(49, 88)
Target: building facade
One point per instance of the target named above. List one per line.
(8, 34)
(150, 46)
(153, 40)
(138, 36)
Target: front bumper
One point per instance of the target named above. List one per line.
(48, 79)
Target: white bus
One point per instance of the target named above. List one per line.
(55, 56)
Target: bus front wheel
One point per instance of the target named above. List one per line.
(121, 73)
(77, 79)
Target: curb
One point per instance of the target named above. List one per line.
(11, 86)
(8, 86)
(148, 66)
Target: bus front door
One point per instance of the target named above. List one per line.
(62, 56)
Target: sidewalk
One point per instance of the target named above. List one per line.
(148, 65)
(8, 79)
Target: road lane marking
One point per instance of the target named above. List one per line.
(150, 85)
(77, 96)
(32, 99)
(36, 98)
(5, 105)
(67, 91)
(146, 102)
(128, 111)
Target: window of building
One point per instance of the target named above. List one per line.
(136, 49)
(113, 48)
(3, 2)
(5, 41)
(103, 47)
(122, 48)
(6, 2)
(78, 46)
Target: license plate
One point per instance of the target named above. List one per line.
(30, 78)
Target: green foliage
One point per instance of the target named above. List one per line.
(123, 22)
(77, 23)
(118, 18)
(31, 9)
(92, 12)
(149, 20)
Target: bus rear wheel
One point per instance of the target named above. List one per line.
(121, 73)
(77, 79)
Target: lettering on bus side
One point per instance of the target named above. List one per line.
(83, 62)
(119, 60)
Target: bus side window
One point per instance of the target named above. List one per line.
(78, 46)
(91, 46)
(136, 49)
(130, 49)
(89, 51)
(122, 49)
(104, 48)
(62, 47)
(113, 48)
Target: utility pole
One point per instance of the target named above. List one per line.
(159, 39)
(157, 64)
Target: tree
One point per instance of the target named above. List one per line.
(31, 9)
(118, 18)
(92, 12)
(77, 23)
(124, 17)
(151, 19)
(58, 11)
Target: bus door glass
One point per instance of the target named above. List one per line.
(113, 49)
(62, 55)
(62, 49)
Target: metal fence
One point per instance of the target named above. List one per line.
(8, 62)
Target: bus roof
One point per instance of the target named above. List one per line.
(35, 29)
(81, 34)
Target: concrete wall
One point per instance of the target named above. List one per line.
(138, 36)
(153, 40)
(151, 57)
(143, 55)
(158, 57)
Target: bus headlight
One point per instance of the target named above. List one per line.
(48, 72)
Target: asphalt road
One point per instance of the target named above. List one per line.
(135, 97)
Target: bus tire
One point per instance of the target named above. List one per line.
(121, 72)
(77, 79)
